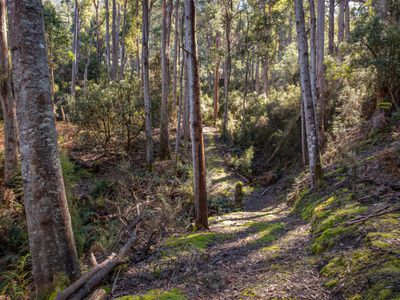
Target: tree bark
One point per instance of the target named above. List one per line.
(331, 35)
(180, 103)
(165, 45)
(7, 102)
(312, 140)
(265, 77)
(196, 129)
(98, 41)
(216, 81)
(175, 63)
(108, 60)
(146, 84)
(257, 77)
(320, 67)
(342, 5)
(313, 54)
(123, 54)
(186, 132)
(114, 33)
(51, 239)
(75, 48)
(347, 21)
(227, 71)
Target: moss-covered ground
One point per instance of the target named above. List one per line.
(355, 224)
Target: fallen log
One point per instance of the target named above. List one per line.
(99, 277)
(92, 279)
(99, 294)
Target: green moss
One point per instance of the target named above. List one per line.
(199, 240)
(331, 283)
(384, 240)
(173, 294)
(329, 237)
(268, 231)
(306, 203)
(339, 216)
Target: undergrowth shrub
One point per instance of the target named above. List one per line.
(110, 116)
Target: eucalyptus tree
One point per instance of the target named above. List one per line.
(146, 83)
(311, 130)
(167, 7)
(196, 129)
(51, 239)
(7, 102)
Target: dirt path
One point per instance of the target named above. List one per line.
(260, 252)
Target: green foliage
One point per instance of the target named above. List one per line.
(376, 40)
(110, 115)
(173, 294)
(243, 163)
(15, 281)
(193, 241)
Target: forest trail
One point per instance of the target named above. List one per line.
(260, 252)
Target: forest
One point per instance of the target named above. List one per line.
(208, 149)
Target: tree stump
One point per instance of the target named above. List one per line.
(239, 195)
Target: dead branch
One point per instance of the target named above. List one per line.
(378, 213)
(89, 281)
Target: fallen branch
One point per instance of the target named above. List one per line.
(81, 281)
(266, 190)
(99, 277)
(89, 281)
(378, 213)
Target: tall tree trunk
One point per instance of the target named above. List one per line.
(51, 239)
(75, 48)
(175, 63)
(114, 33)
(347, 21)
(187, 106)
(313, 53)
(108, 47)
(98, 41)
(165, 45)
(265, 77)
(320, 87)
(342, 5)
(216, 81)
(312, 140)
(331, 34)
(227, 71)
(85, 74)
(181, 97)
(123, 54)
(196, 129)
(137, 40)
(7, 102)
(146, 84)
(303, 134)
(257, 77)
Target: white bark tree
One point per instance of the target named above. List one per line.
(311, 130)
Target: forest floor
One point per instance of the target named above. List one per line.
(259, 252)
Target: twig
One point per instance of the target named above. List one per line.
(266, 190)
